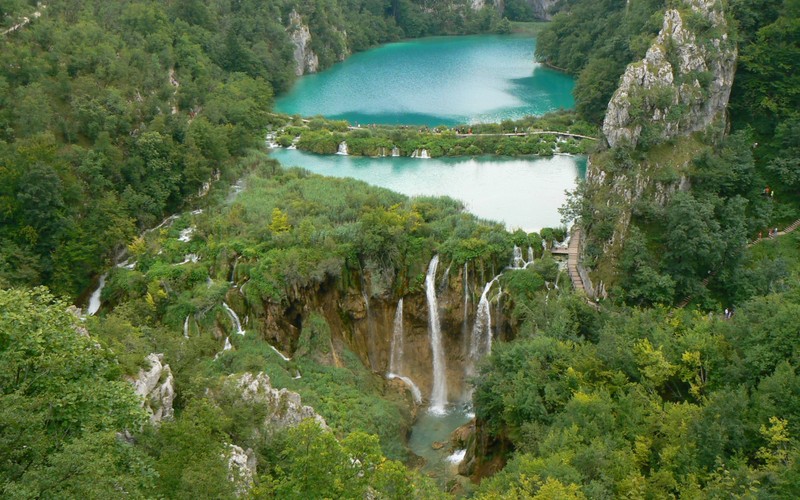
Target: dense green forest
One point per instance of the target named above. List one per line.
(114, 115)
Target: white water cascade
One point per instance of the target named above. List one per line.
(94, 300)
(396, 354)
(439, 392)
(234, 318)
(481, 340)
(530, 255)
(420, 153)
(342, 149)
(518, 262)
(415, 392)
(228, 345)
(395, 151)
(186, 327)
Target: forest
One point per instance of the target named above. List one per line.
(132, 151)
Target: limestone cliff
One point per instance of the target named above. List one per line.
(541, 9)
(668, 108)
(155, 387)
(306, 61)
(281, 407)
(683, 83)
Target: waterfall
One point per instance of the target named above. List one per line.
(371, 347)
(530, 255)
(233, 270)
(466, 302)
(396, 355)
(234, 318)
(439, 392)
(94, 300)
(544, 244)
(186, 234)
(395, 151)
(420, 153)
(186, 327)
(497, 322)
(517, 262)
(279, 353)
(342, 149)
(481, 340)
(411, 385)
(228, 345)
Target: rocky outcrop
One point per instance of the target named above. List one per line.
(306, 61)
(683, 83)
(282, 408)
(155, 387)
(241, 468)
(542, 9)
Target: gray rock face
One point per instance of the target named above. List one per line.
(541, 8)
(683, 83)
(306, 61)
(155, 387)
(283, 407)
(241, 468)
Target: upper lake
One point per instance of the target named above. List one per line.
(434, 81)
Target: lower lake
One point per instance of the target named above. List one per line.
(522, 192)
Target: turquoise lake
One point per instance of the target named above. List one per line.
(446, 81)
(434, 81)
(522, 192)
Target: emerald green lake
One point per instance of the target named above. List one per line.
(522, 192)
(434, 81)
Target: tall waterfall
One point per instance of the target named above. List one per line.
(227, 346)
(234, 318)
(186, 327)
(517, 262)
(530, 255)
(396, 355)
(481, 340)
(395, 151)
(342, 149)
(439, 392)
(94, 300)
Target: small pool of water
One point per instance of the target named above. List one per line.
(429, 429)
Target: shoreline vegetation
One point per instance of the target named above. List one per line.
(560, 132)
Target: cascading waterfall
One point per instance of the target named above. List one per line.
(228, 345)
(439, 392)
(415, 392)
(395, 151)
(420, 153)
(234, 318)
(186, 327)
(481, 340)
(517, 262)
(94, 300)
(396, 355)
(498, 317)
(342, 149)
(530, 255)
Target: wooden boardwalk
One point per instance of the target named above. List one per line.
(573, 251)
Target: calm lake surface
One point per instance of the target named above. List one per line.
(434, 81)
(522, 192)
